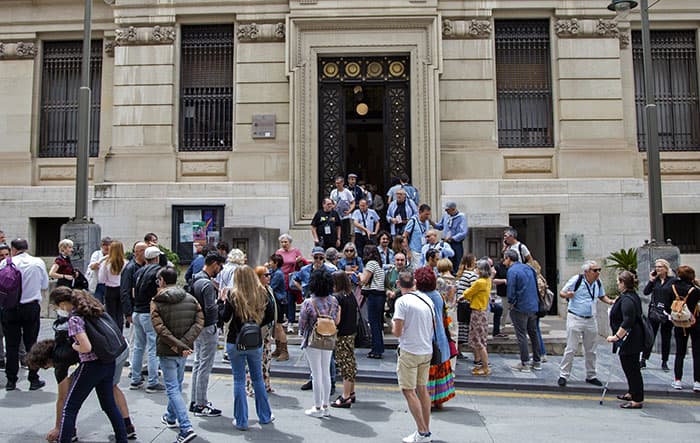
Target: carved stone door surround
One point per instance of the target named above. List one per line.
(312, 38)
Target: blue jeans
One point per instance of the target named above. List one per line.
(89, 375)
(238, 361)
(144, 340)
(173, 374)
(291, 307)
(458, 248)
(375, 312)
(100, 292)
(539, 337)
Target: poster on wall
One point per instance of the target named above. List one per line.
(186, 233)
(194, 227)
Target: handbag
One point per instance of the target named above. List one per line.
(657, 313)
(436, 358)
(464, 312)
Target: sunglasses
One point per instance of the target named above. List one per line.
(267, 274)
(596, 270)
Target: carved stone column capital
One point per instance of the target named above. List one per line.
(570, 28)
(18, 50)
(268, 32)
(109, 47)
(464, 29)
(155, 35)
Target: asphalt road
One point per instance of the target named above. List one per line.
(380, 415)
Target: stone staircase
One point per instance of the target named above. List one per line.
(553, 331)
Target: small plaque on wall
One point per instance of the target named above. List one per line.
(264, 125)
(574, 246)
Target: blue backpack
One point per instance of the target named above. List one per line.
(10, 285)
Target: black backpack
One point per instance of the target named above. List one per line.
(579, 280)
(106, 338)
(249, 337)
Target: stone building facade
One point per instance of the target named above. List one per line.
(525, 112)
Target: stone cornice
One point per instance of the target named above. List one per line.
(18, 50)
(464, 29)
(253, 32)
(155, 35)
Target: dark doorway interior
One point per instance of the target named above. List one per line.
(364, 134)
(540, 233)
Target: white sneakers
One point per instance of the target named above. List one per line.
(677, 385)
(314, 412)
(696, 386)
(417, 438)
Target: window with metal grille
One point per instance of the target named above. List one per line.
(684, 231)
(524, 84)
(675, 68)
(206, 96)
(60, 84)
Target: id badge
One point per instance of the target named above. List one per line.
(327, 230)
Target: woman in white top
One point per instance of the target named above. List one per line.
(110, 275)
(372, 280)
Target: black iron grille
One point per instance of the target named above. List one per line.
(674, 63)
(206, 98)
(524, 84)
(59, 98)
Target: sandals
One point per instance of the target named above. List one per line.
(481, 372)
(630, 405)
(341, 402)
(352, 397)
(625, 397)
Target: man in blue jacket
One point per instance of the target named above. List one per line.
(523, 298)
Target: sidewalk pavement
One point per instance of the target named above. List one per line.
(656, 382)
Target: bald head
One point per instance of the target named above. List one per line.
(139, 249)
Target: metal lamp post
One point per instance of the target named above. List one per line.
(84, 233)
(622, 8)
(84, 97)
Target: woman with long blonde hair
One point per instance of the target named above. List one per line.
(110, 275)
(264, 276)
(248, 302)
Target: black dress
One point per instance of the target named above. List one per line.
(627, 313)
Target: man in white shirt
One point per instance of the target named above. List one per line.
(366, 223)
(413, 325)
(344, 202)
(23, 321)
(510, 241)
(93, 268)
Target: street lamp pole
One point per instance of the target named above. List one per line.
(651, 134)
(84, 98)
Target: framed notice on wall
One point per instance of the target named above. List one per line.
(194, 227)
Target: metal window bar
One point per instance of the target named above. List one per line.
(524, 84)
(674, 63)
(206, 96)
(59, 98)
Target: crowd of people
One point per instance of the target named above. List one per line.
(367, 271)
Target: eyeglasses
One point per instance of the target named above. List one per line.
(596, 270)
